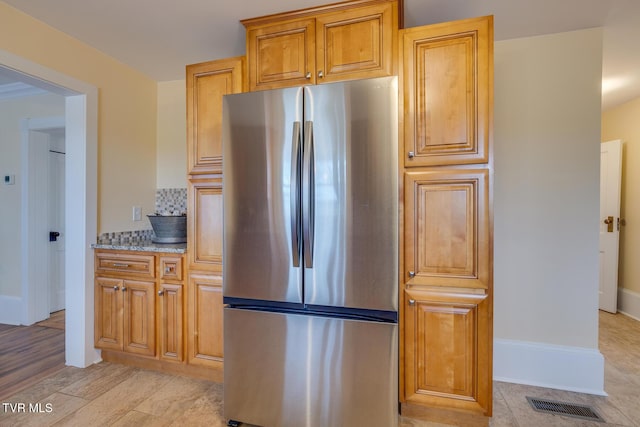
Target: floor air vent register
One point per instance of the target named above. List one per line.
(567, 409)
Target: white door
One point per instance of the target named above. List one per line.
(610, 180)
(44, 213)
(56, 221)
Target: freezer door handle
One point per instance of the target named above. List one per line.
(296, 163)
(308, 193)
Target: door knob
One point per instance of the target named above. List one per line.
(609, 222)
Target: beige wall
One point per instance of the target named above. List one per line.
(12, 113)
(547, 156)
(126, 121)
(172, 135)
(623, 122)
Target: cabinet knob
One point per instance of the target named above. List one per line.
(320, 74)
(412, 302)
(412, 274)
(160, 293)
(115, 288)
(411, 154)
(308, 76)
(124, 289)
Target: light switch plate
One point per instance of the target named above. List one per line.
(137, 213)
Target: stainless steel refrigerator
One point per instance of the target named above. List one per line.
(310, 265)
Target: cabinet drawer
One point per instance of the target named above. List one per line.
(140, 265)
(170, 268)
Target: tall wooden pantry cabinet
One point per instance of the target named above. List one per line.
(447, 274)
(206, 84)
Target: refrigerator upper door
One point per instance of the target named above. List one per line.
(350, 194)
(262, 149)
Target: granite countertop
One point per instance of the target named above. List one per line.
(143, 246)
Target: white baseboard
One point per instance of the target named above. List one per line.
(545, 365)
(10, 310)
(629, 303)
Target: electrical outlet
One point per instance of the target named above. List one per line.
(137, 213)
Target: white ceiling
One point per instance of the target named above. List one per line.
(160, 37)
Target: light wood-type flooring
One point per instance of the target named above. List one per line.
(108, 394)
(30, 353)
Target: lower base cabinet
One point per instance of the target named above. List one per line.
(125, 315)
(149, 314)
(447, 357)
(205, 343)
(170, 309)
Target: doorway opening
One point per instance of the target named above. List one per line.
(80, 218)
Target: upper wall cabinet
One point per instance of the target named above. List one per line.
(343, 41)
(448, 86)
(206, 84)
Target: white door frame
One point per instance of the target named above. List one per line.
(35, 247)
(81, 184)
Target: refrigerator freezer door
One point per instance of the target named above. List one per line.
(354, 200)
(292, 370)
(262, 134)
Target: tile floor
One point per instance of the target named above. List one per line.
(114, 395)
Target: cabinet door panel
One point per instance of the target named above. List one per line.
(446, 358)
(171, 315)
(108, 313)
(205, 320)
(357, 43)
(207, 83)
(447, 228)
(170, 267)
(447, 88)
(205, 225)
(281, 55)
(139, 317)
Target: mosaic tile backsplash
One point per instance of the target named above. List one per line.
(125, 237)
(169, 201)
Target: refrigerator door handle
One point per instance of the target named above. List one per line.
(296, 163)
(308, 186)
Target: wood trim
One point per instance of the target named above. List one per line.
(200, 372)
(312, 11)
(443, 416)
